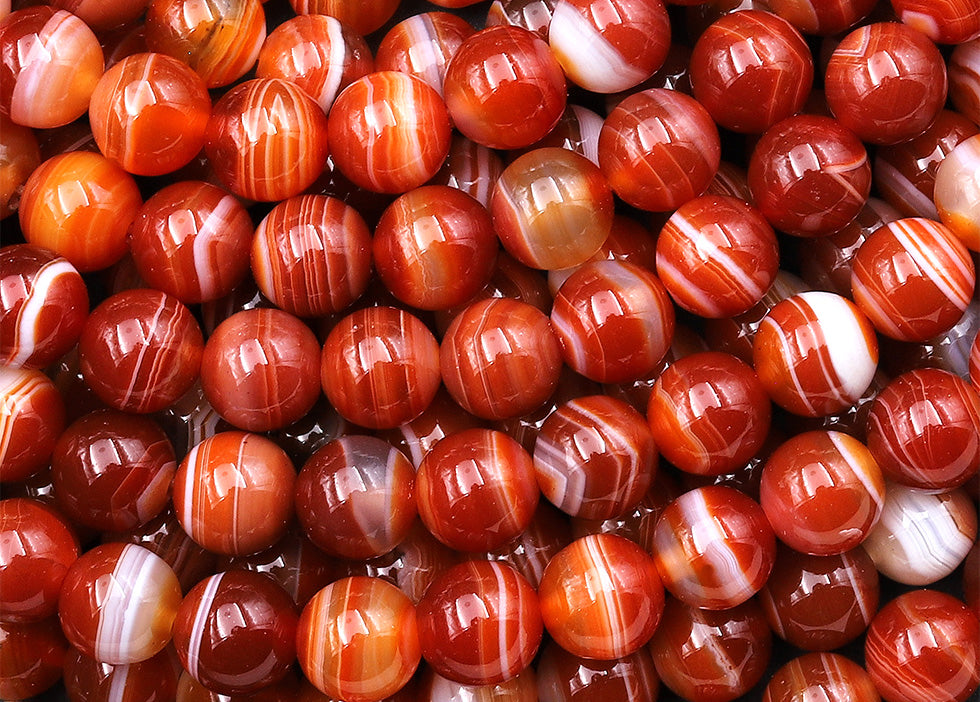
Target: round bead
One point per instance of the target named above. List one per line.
(945, 22)
(152, 680)
(824, 676)
(389, 132)
(19, 156)
(964, 79)
(235, 632)
(630, 678)
(423, 45)
(822, 17)
(380, 367)
(924, 645)
(233, 493)
(31, 658)
(358, 640)
(355, 497)
(118, 603)
(31, 421)
(363, 16)
(532, 15)
(815, 353)
(886, 82)
(504, 88)
(658, 149)
(434, 687)
(713, 547)
(140, 350)
(957, 191)
(709, 413)
(479, 623)
(266, 139)
(470, 167)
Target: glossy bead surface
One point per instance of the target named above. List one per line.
(500, 358)
(363, 16)
(819, 603)
(709, 413)
(355, 497)
(50, 62)
(820, 16)
(134, 114)
(957, 192)
(380, 367)
(233, 493)
(922, 536)
(470, 167)
(389, 132)
(532, 15)
(924, 645)
(235, 632)
(140, 350)
(713, 547)
(32, 417)
(266, 139)
(476, 490)
(946, 22)
(112, 471)
(815, 353)
(118, 603)
(19, 156)
(31, 658)
(613, 320)
(827, 676)
(152, 680)
(563, 677)
(479, 623)
(435, 247)
(964, 79)
(504, 88)
(79, 205)
(220, 43)
(892, 105)
(423, 45)
(42, 309)
(751, 69)
(658, 149)
(39, 547)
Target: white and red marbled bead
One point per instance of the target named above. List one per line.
(32, 417)
(423, 45)
(943, 21)
(816, 353)
(964, 79)
(957, 192)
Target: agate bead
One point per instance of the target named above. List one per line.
(964, 79)
(363, 16)
(825, 676)
(822, 17)
(32, 417)
(957, 191)
(423, 45)
(945, 22)
(434, 687)
(563, 677)
(532, 15)
(152, 680)
(19, 156)
(470, 167)
(31, 658)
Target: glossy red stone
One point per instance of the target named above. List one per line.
(470, 167)
(751, 69)
(613, 320)
(19, 156)
(220, 43)
(440, 419)
(423, 45)
(563, 677)
(532, 15)
(957, 192)
(913, 278)
(235, 632)
(532, 550)
(233, 493)
(820, 603)
(31, 420)
(152, 680)
(500, 358)
(504, 88)
(658, 149)
(945, 22)
(112, 471)
(389, 132)
(43, 306)
(190, 690)
(520, 688)
(711, 656)
(118, 603)
(31, 658)
(358, 640)
(809, 175)
(476, 490)
(964, 79)
(317, 53)
(826, 676)
(923, 645)
(355, 497)
(363, 16)
(822, 17)
(479, 623)
(79, 205)
(380, 367)
(815, 353)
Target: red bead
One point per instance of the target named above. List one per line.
(233, 493)
(500, 358)
(221, 44)
(504, 88)
(945, 22)
(532, 550)
(118, 603)
(957, 192)
(190, 240)
(658, 149)
(355, 497)
(470, 167)
(924, 645)
(358, 640)
(19, 156)
(40, 546)
(152, 680)
(440, 419)
(190, 690)
(435, 247)
(434, 687)
(363, 16)
(713, 547)
(266, 139)
(31, 421)
(975, 362)
(532, 15)
(561, 677)
(964, 79)
(913, 278)
(50, 62)
(80, 205)
(112, 471)
(380, 367)
(389, 132)
(815, 353)
(423, 45)
(886, 82)
(317, 53)
(31, 658)
(823, 17)
(751, 69)
(235, 632)
(479, 623)
(825, 676)
(476, 490)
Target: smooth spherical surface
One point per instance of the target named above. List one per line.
(943, 21)
(32, 657)
(152, 680)
(31, 420)
(564, 677)
(957, 192)
(423, 46)
(824, 676)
